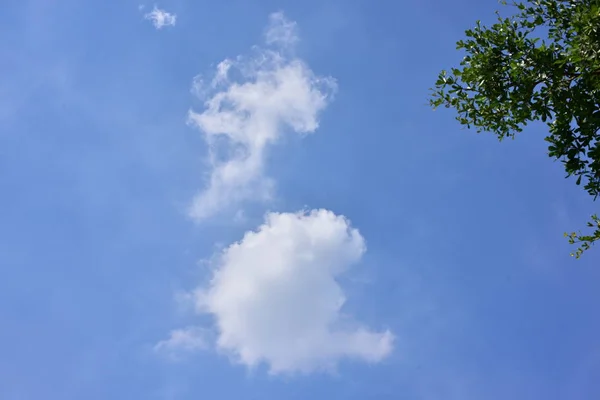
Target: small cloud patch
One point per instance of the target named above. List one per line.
(161, 18)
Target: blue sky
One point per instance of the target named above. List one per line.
(432, 265)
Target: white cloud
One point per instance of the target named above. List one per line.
(161, 18)
(280, 31)
(249, 104)
(183, 340)
(275, 298)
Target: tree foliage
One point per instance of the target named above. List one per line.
(540, 64)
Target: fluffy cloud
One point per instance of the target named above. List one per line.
(275, 298)
(161, 18)
(250, 102)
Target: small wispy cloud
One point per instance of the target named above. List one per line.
(183, 341)
(161, 18)
(281, 31)
(250, 102)
(275, 297)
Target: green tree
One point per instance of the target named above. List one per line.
(540, 64)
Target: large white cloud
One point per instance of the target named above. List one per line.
(250, 102)
(275, 298)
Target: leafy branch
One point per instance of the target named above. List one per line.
(510, 77)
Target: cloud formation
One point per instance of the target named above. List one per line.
(250, 102)
(161, 18)
(275, 298)
(182, 341)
